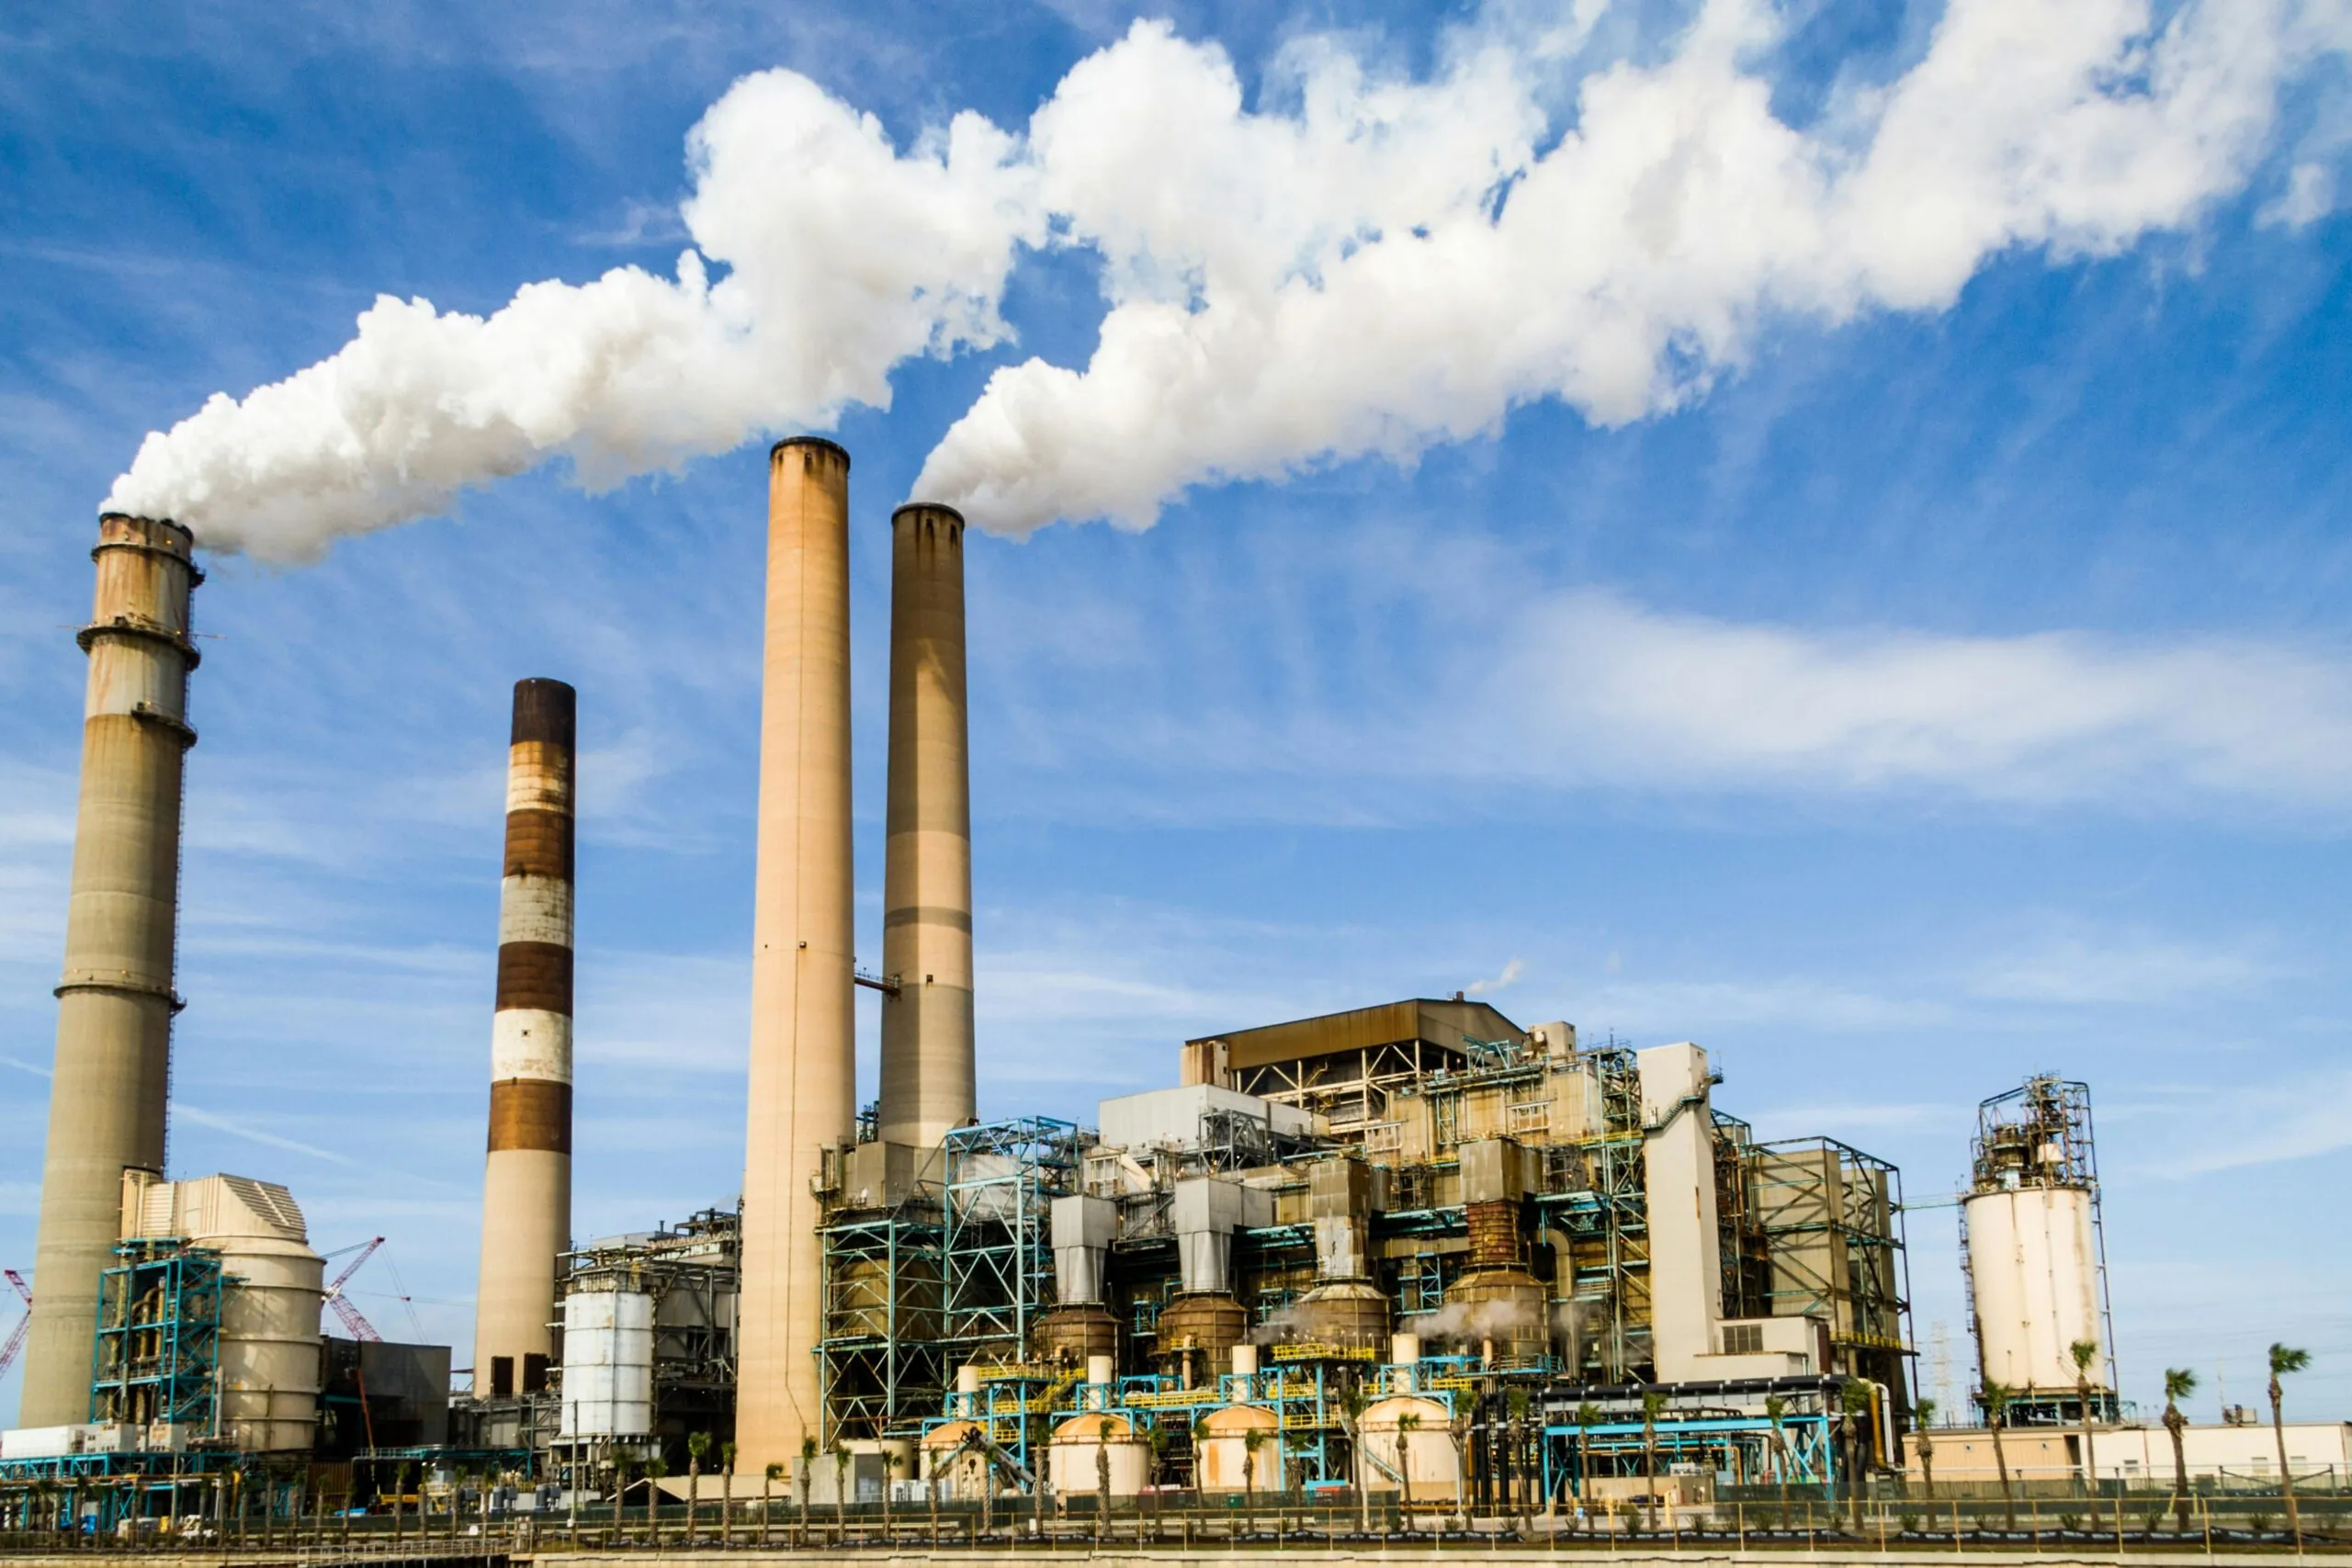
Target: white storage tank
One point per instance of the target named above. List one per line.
(1076, 1442)
(269, 1350)
(1406, 1445)
(2033, 1264)
(1221, 1458)
(607, 1364)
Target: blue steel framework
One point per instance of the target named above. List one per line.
(1002, 1180)
(1727, 1434)
(158, 1340)
(880, 1361)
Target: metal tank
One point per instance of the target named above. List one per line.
(2035, 1263)
(607, 1365)
(115, 999)
(1221, 1457)
(801, 1096)
(1196, 1333)
(269, 1371)
(1348, 1314)
(1074, 1468)
(1405, 1445)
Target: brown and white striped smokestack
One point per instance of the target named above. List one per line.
(927, 865)
(115, 1001)
(802, 1093)
(526, 1188)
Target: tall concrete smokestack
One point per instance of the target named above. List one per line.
(804, 1070)
(115, 1001)
(526, 1189)
(927, 865)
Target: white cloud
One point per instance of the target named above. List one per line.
(1511, 972)
(2133, 971)
(1603, 689)
(1360, 264)
(1390, 265)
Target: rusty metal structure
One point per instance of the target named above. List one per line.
(526, 1184)
(116, 1000)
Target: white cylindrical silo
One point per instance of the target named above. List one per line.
(607, 1364)
(2033, 1264)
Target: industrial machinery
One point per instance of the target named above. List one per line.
(2034, 1252)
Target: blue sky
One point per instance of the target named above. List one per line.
(1916, 696)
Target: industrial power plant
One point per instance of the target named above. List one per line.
(1417, 1255)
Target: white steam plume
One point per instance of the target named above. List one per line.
(1369, 266)
(1393, 266)
(844, 257)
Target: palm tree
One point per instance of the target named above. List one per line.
(1252, 1441)
(840, 1487)
(1588, 1418)
(1859, 1401)
(655, 1469)
(2285, 1359)
(1652, 1403)
(768, 1478)
(2086, 1352)
(1776, 1410)
(697, 1445)
(1996, 1397)
(727, 1496)
(2179, 1384)
(806, 1472)
(400, 1499)
(890, 1462)
(1406, 1425)
(1102, 1475)
(1923, 1413)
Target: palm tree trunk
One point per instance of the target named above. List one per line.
(2008, 1498)
(2173, 1424)
(2286, 1478)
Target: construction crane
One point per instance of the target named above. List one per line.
(359, 1327)
(24, 1324)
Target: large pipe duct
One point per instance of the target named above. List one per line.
(927, 864)
(114, 1001)
(526, 1186)
(802, 1094)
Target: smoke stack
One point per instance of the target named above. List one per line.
(927, 866)
(114, 1001)
(527, 1187)
(802, 1094)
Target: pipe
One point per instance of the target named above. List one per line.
(801, 1096)
(114, 1001)
(927, 858)
(527, 1183)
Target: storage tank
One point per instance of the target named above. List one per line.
(1075, 1334)
(607, 1364)
(1406, 1445)
(1074, 1469)
(1349, 1315)
(1499, 1315)
(1196, 1333)
(954, 1463)
(862, 1307)
(270, 1349)
(2037, 1277)
(1221, 1457)
(2033, 1265)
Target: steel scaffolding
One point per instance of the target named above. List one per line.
(1002, 1180)
(158, 1343)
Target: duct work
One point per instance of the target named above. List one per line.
(802, 1091)
(527, 1187)
(1201, 1325)
(116, 999)
(927, 865)
(1080, 1327)
(1347, 1309)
